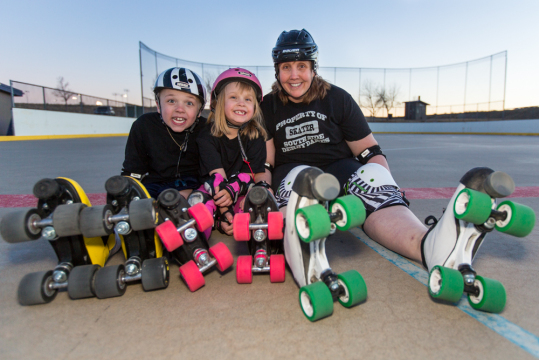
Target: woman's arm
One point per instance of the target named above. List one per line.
(359, 146)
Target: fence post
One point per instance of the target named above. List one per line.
(81, 105)
(44, 100)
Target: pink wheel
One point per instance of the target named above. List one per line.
(244, 272)
(277, 273)
(202, 216)
(241, 227)
(275, 225)
(169, 235)
(223, 256)
(192, 276)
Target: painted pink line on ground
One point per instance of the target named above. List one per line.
(446, 193)
(12, 201)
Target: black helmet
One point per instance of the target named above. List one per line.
(295, 45)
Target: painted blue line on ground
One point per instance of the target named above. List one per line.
(497, 323)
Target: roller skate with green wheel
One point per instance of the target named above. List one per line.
(128, 219)
(451, 244)
(314, 212)
(261, 225)
(182, 231)
(56, 219)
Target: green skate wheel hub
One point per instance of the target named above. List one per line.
(520, 219)
(352, 209)
(312, 223)
(491, 296)
(446, 284)
(316, 301)
(472, 206)
(354, 287)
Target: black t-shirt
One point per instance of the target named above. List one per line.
(222, 152)
(151, 150)
(314, 134)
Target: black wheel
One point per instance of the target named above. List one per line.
(65, 219)
(18, 226)
(155, 274)
(94, 221)
(142, 214)
(34, 288)
(109, 283)
(81, 281)
(45, 189)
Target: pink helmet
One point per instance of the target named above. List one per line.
(236, 74)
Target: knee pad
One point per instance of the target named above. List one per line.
(374, 184)
(285, 187)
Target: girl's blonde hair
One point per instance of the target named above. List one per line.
(318, 90)
(253, 129)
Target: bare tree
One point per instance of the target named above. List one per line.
(387, 98)
(62, 90)
(370, 98)
(209, 79)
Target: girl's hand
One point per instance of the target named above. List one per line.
(223, 199)
(228, 229)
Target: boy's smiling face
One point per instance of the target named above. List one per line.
(178, 109)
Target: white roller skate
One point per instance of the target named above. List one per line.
(308, 224)
(450, 245)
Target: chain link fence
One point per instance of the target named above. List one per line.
(464, 91)
(44, 98)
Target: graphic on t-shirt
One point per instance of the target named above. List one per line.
(310, 127)
(304, 130)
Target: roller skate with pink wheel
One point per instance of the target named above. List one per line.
(56, 218)
(261, 226)
(182, 233)
(129, 217)
(452, 242)
(314, 212)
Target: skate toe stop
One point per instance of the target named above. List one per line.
(326, 187)
(499, 184)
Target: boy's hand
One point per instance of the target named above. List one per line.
(228, 229)
(223, 199)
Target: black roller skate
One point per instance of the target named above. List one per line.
(182, 233)
(56, 219)
(261, 225)
(130, 217)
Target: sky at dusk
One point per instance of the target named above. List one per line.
(95, 45)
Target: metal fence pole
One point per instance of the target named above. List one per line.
(490, 83)
(81, 105)
(44, 101)
(465, 86)
(504, 85)
(141, 76)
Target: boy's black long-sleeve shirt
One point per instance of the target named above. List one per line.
(151, 150)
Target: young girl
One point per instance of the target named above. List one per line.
(232, 144)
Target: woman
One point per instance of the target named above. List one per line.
(311, 122)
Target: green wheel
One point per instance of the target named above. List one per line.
(472, 206)
(491, 296)
(352, 210)
(354, 287)
(316, 301)
(446, 284)
(312, 223)
(520, 219)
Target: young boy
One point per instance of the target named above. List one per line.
(161, 150)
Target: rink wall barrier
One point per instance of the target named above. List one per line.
(29, 124)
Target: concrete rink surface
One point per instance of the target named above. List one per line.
(225, 320)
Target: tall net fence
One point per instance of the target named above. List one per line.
(43, 98)
(470, 90)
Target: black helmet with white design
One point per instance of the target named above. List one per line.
(295, 45)
(181, 79)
